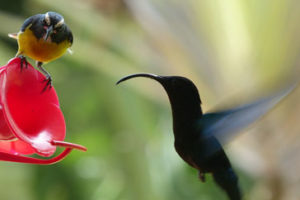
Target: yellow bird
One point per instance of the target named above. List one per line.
(43, 37)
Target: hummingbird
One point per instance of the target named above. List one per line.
(199, 137)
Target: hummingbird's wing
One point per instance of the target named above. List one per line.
(224, 124)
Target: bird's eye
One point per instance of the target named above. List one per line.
(57, 29)
(174, 82)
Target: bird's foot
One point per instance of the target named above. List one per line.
(23, 61)
(48, 85)
(201, 176)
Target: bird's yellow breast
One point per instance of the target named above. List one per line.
(39, 49)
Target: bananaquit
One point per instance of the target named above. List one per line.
(43, 37)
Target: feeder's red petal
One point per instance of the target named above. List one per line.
(33, 116)
(5, 132)
(16, 147)
(3, 68)
(22, 159)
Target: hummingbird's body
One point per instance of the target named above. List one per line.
(202, 153)
(196, 133)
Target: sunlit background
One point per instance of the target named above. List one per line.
(233, 50)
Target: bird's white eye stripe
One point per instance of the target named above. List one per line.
(60, 23)
(47, 19)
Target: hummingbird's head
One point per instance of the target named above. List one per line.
(182, 92)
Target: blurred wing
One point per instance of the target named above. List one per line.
(13, 35)
(225, 124)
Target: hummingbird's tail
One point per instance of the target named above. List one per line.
(228, 181)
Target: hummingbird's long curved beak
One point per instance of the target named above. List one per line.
(152, 76)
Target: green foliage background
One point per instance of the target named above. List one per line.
(233, 50)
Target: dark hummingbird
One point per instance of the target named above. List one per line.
(199, 137)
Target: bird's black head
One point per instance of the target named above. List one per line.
(53, 19)
(182, 92)
(51, 27)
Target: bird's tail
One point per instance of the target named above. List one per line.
(228, 181)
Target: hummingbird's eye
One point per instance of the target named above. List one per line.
(177, 82)
(174, 82)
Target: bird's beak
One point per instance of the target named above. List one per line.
(152, 76)
(49, 31)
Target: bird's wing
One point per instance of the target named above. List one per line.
(28, 22)
(225, 124)
(13, 35)
(70, 51)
